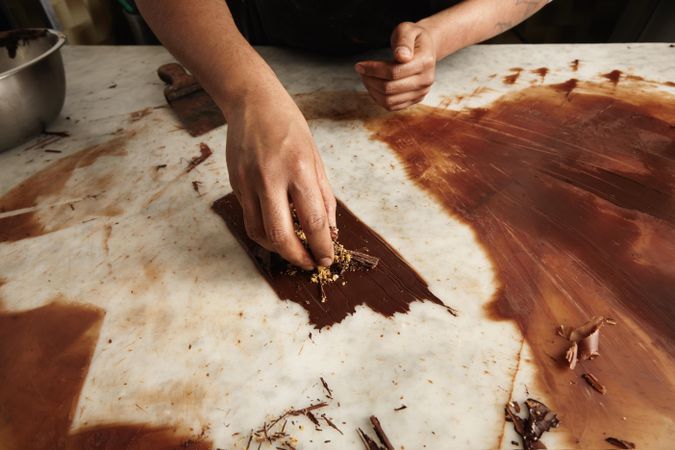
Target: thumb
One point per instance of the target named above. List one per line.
(403, 41)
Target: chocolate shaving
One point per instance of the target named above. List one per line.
(400, 408)
(62, 134)
(620, 443)
(330, 423)
(540, 420)
(313, 418)
(364, 259)
(380, 433)
(584, 341)
(594, 382)
(50, 150)
(329, 393)
(160, 166)
(368, 442)
(205, 152)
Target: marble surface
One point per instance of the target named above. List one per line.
(194, 338)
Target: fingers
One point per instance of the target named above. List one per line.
(399, 101)
(386, 87)
(253, 220)
(311, 210)
(329, 201)
(403, 41)
(279, 229)
(387, 70)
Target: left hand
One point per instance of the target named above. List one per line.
(408, 78)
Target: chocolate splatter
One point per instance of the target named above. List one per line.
(571, 190)
(614, 76)
(512, 78)
(204, 153)
(574, 65)
(542, 72)
(387, 289)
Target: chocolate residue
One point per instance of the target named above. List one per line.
(511, 79)
(50, 180)
(614, 76)
(12, 39)
(574, 65)
(542, 71)
(388, 288)
(573, 198)
(44, 359)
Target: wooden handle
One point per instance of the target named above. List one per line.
(175, 75)
(179, 82)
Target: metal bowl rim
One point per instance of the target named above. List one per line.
(54, 48)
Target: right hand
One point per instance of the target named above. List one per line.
(271, 158)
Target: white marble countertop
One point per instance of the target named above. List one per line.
(194, 338)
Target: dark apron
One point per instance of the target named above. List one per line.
(335, 27)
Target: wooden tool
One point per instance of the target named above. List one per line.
(193, 106)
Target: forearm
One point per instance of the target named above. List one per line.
(473, 21)
(202, 35)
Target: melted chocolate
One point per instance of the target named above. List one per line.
(12, 39)
(571, 190)
(387, 289)
(511, 79)
(44, 358)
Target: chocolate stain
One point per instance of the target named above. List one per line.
(49, 181)
(511, 79)
(574, 65)
(542, 72)
(387, 289)
(614, 76)
(45, 355)
(573, 197)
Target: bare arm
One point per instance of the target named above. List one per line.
(271, 155)
(417, 47)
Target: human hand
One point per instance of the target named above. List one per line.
(271, 158)
(408, 78)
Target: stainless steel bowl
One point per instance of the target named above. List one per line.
(32, 83)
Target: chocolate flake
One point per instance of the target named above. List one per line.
(205, 152)
(329, 393)
(620, 443)
(400, 408)
(195, 186)
(540, 420)
(593, 381)
(51, 150)
(160, 166)
(364, 259)
(331, 424)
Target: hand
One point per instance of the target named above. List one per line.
(406, 80)
(271, 158)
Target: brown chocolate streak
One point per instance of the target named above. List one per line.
(44, 358)
(387, 289)
(571, 190)
(50, 180)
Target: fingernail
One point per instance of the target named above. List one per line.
(325, 262)
(403, 52)
(359, 68)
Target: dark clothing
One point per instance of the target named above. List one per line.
(338, 27)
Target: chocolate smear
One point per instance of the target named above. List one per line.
(570, 190)
(620, 443)
(204, 153)
(388, 288)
